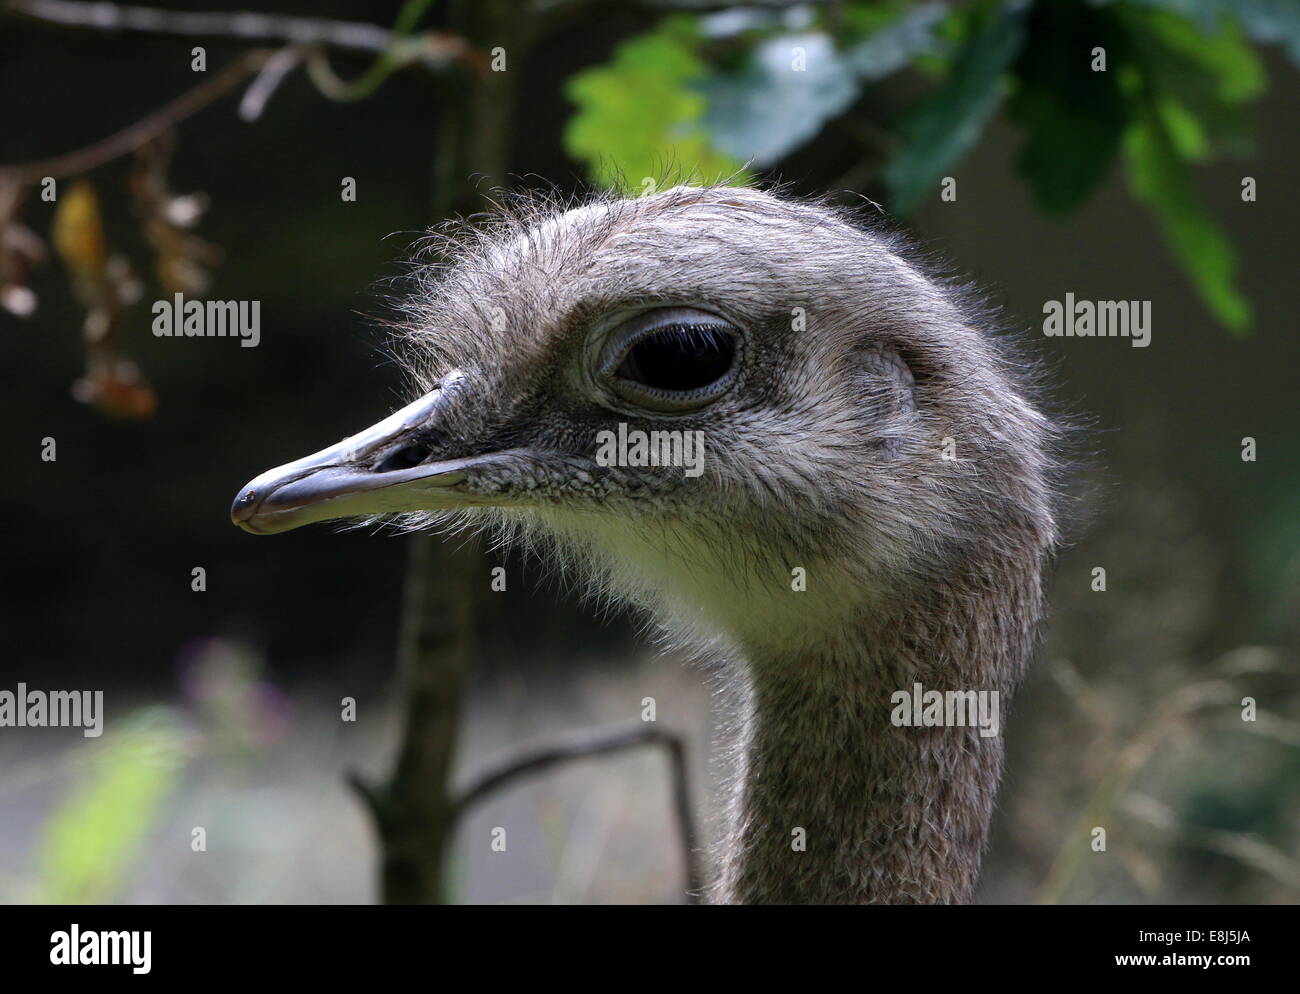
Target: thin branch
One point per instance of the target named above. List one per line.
(713, 6)
(145, 130)
(1122, 767)
(597, 742)
(245, 25)
(1243, 847)
(433, 49)
(311, 37)
(412, 807)
(442, 596)
(268, 80)
(371, 795)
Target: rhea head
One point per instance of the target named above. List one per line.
(857, 422)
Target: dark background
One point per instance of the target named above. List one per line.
(1202, 550)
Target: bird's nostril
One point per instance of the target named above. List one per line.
(403, 458)
(244, 507)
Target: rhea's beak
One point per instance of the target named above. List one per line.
(374, 472)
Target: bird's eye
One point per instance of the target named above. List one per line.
(673, 359)
(681, 357)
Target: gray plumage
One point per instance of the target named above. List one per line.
(856, 370)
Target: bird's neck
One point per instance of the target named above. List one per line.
(832, 802)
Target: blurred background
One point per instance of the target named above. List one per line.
(223, 705)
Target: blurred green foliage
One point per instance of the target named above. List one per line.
(127, 780)
(93, 836)
(943, 127)
(641, 115)
(703, 95)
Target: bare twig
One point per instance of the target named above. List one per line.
(1122, 767)
(431, 48)
(551, 8)
(268, 80)
(413, 811)
(1243, 847)
(597, 742)
(245, 25)
(711, 6)
(308, 38)
(312, 37)
(145, 130)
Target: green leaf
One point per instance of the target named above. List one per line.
(1266, 21)
(894, 45)
(1073, 117)
(639, 117)
(769, 107)
(1207, 67)
(859, 19)
(1189, 138)
(1159, 178)
(791, 85)
(1225, 60)
(944, 126)
(95, 832)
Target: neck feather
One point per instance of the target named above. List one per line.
(888, 814)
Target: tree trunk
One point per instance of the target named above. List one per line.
(414, 810)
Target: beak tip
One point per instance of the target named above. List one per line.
(244, 508)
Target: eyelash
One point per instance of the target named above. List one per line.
(681, 357)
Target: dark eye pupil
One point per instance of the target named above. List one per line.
(680, 357)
